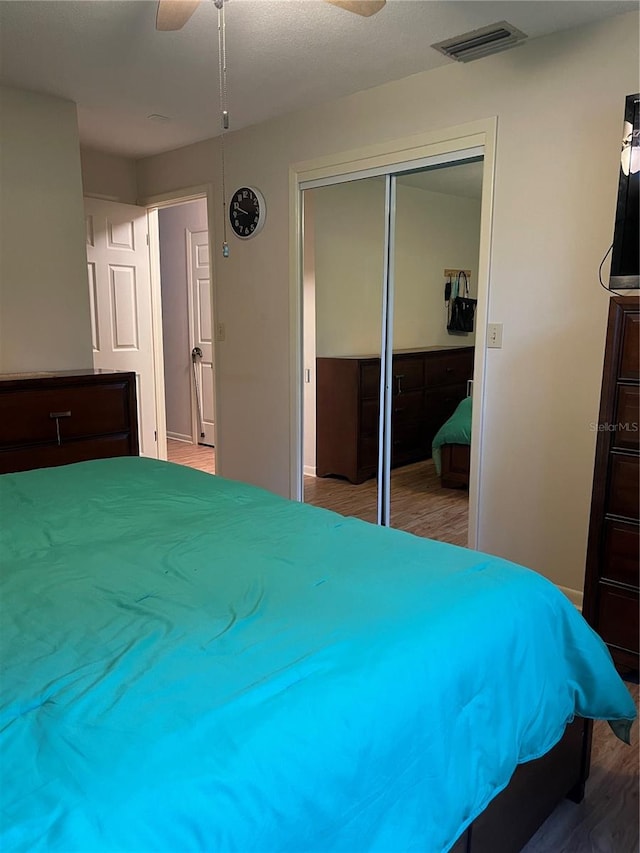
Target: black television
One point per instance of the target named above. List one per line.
(625, 272)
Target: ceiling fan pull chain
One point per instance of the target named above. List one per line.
(224, 115)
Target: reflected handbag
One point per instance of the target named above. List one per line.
(462, 308)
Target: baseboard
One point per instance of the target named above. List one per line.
(575, 596)
(309, 470)
(178, 436)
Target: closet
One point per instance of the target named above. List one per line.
(382, 372)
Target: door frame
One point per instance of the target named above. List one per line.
(398, 154)
(153, 204)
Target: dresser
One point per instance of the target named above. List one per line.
(49, 419)
(613, 551)
(427, 386)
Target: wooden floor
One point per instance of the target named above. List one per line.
(418, 503)
(192, 455)
(607, 820)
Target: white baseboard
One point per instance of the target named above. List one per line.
(178, 436)
(309, 470)
(575, 596)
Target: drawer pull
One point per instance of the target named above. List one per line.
(398, 409)
(399, 377)
(450, 369)
(57, 416)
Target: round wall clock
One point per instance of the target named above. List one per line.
(247, 212)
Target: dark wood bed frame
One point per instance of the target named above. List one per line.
(455, 464)
(536, 788)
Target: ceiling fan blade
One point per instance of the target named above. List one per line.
(360, 7)
(174, 14)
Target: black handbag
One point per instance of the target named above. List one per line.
(462, 308)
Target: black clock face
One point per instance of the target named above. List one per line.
(246, 212)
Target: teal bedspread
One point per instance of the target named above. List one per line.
(190, 663)
(457, 430)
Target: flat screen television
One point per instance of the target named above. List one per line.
(625, 270)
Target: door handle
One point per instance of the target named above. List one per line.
(469, 387)
(196, 352)
(56, 416)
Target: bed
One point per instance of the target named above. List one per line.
(192, 663)
(451, 448)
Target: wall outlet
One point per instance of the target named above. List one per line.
(221, 332)
(494, 335)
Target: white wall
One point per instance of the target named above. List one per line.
(173, 223)
(559, 102)
(433, 232)
(108, 176)
(44, 297)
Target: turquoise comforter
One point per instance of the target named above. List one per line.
(190, 663)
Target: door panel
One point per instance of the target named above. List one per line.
(120, 302)
(201, 321)
(343, 244)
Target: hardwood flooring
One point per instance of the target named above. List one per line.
(607, 820)
(418, 502)
(192, 455)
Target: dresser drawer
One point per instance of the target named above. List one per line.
(618, 617)
(26, 416)
(630, 355)
(627, 427)
(370, 379)
(407, 374)
(441, 403)
(624, 487)
(621, 552)
(406, 408)
(407, 443)
(49, 456)
(449, 368)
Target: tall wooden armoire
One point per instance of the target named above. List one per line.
(613, 551)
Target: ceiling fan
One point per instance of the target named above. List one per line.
(174, 14)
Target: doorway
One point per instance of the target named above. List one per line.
(151, 310)
(187, 333)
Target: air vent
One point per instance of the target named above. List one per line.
(482, 42)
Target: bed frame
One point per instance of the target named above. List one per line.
(536, 788)
(455, 461)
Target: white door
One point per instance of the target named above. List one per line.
(201, 322)
(120, 297)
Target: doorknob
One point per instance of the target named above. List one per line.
(196, 352)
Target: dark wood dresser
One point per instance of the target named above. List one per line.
(613, 551)
(428, 384)
(49, 419)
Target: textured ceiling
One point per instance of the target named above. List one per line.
(283, 55)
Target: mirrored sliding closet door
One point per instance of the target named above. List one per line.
(343, 276)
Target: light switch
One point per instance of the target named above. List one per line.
(494, 335)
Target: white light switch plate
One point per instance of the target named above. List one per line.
(494, 335)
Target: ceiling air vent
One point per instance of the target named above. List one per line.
(482, 42)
